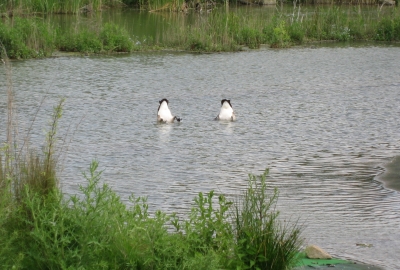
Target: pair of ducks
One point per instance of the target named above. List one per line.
(164, 114)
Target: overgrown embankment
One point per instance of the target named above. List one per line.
(216, 31)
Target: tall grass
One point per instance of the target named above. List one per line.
(26, 7)
(24, 175)
(212, 32)
(27, 38)
(264, 242)
(34, 38)
(221, 31)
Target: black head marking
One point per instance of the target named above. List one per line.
(164, 99)
(227, 100)
(161, 101)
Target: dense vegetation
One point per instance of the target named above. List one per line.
(40, 228)
(31, 37)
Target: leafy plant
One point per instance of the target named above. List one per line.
(263, 242)
(388, 29)
(115, 38)
(280, 37)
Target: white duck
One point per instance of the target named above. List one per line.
(226, 112)
(164, 115)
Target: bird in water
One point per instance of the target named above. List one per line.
(226, 112)
(164, 114)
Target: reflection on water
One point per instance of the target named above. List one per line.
(325, 120)
(391, 175)
(164, 129)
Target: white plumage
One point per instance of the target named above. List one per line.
(226, 112)
(164, 114)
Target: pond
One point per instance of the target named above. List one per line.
(323, 119)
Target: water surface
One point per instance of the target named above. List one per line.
(325, 120)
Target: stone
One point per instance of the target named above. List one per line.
(315, 252)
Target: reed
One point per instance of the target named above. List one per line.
(216, 31)
(26, 7)
(219, 31)
(27, 38)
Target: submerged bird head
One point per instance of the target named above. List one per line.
(164, 114)
(226, 103)
(226, 112)
(163, 104)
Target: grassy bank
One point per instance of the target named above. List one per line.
(221, 31)
(10, 8)
(25, 7)
(40, 228)
(217, 31)
(34, 38)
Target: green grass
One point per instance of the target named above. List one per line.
(221, 31)
(218, 31)
(264, 242)
(26, 7)
(96, 230)
(27, 38)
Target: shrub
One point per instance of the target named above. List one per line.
(115, 38)
(26, 38)
(250, 37)
(388, 29)
(84, 41)
(263, 242)
(280, 37)
(296, 33)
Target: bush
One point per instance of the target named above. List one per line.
(280, 37)
(26, 38)
(263, 242)
(84, 41)
(388, 29)
(250, 37)
(296, 33)
(115, 38)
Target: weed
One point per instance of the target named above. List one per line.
(280, 37)
(262, 241)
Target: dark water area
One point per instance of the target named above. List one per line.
(391, 175)
(323, 119)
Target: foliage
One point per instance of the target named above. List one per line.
(388, 29)
(104, 39)
(115, 39)
(26, 38)
(296, 33)
(23, 7)
(251, 37)
(84, 41)
(28, 186)
(212, 32)
(96, 230)
(280, 37)
(263, 242)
